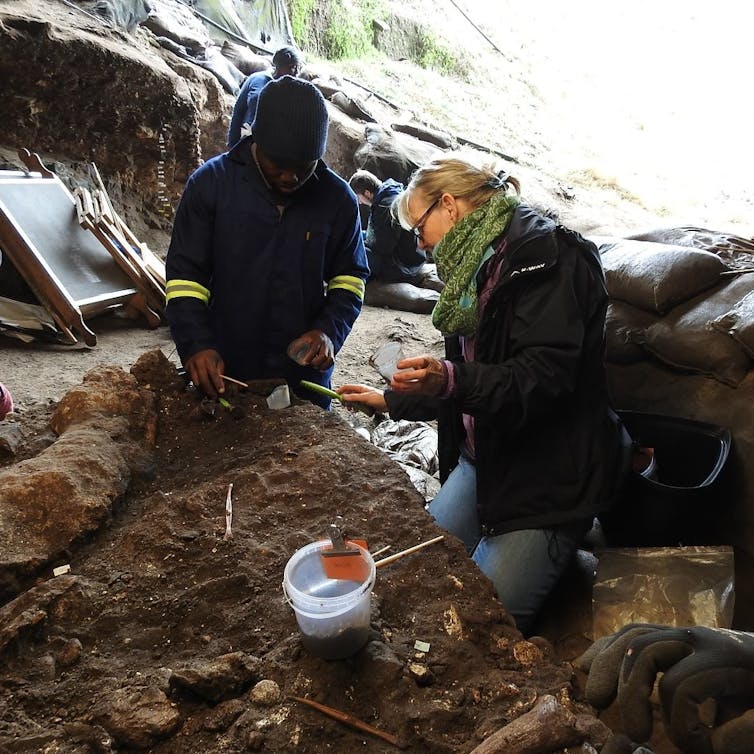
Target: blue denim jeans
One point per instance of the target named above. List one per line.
(523, 565)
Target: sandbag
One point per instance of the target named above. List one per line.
(685, 338)
(388, 154)
(211, 59)
(738, 322)
(433, 136)
(625, 326)
(326, 86)
(735, 250)
(656, 277)
(244, 59)
(171, 19)
(352, 106)
(226, 73)
(402, 296)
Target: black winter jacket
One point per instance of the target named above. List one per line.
(549, 449)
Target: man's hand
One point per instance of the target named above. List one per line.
(706, 690)
(314, 349)
(367, 396)
(422, 375)
(206, 369)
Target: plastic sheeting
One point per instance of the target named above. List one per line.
(263, 23)
(413, 445)
(674, 586)
(197, 30)
(125, 14)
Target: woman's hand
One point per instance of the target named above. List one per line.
(367, 396)
(421, 375)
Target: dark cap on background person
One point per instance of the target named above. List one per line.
(291, 121)
(287, 57)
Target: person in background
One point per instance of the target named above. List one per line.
(392, 251)
(6, 402)
(530, 449)
(266, 252)
(287, 61)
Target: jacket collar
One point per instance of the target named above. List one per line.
(522, 257)
(240, 154)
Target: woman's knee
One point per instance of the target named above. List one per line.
(524, 567)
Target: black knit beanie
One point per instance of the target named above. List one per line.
(291, 121)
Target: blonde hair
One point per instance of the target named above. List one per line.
(458, 176)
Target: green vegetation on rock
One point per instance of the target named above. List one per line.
(431, 53)
(345, 29)
(335, 29)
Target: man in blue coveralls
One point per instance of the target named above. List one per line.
(286, 61)
(267, 250)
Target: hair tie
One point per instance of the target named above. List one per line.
(500, 181)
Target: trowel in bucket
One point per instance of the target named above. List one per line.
(344, 560)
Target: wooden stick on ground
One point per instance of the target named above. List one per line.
(234, 381)
(391, 558)
(354, 722)
(380, 551)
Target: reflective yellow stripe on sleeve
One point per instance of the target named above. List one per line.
(349, 283)
(186, 289)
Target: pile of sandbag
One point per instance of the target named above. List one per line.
(681, 305)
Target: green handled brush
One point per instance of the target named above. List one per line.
(314, 387)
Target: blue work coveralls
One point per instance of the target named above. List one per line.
(246, 276)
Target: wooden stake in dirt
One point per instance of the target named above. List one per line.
(402, 553)
(228, 512)
(354, 722)
(234, 381)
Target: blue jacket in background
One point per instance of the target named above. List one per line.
(246, 104)
(394, 256)
(246, 277)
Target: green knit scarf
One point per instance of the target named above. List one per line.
(460, 255)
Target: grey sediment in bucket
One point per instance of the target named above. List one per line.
(332, 614)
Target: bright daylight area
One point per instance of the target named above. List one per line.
(650, 94)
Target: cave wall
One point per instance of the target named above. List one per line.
(74, 88)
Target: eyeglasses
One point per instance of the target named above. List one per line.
(419, 225)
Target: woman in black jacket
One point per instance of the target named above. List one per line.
(530, 450)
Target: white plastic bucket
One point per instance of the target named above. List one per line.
(332, 614)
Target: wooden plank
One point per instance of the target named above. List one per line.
(108, 220)
(68, 269)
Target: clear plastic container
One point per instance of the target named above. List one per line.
(332, 614)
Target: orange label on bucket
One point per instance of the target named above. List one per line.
(349, 565)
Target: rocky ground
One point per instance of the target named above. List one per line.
(165, 635)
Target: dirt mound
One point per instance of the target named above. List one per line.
(162, 631)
